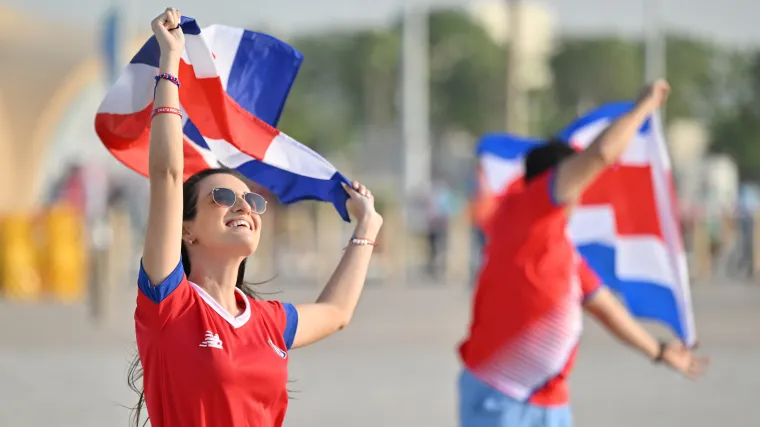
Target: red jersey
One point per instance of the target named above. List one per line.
(204, 367)
(527, 313)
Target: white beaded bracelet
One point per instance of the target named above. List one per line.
(361, 242)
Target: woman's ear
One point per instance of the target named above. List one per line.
(187, 235)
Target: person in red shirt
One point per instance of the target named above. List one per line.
(211, 354)
(533, 286)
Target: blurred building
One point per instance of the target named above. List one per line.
(52, 83)
(43, 68)
(720, 183)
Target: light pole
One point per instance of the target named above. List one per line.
(515, 102)
(654, 41)
(415, 113)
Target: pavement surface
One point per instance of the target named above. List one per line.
(395, 365)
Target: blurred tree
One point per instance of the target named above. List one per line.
(345, 80)
(351, 81)
(689, 70)
(588, 72)
(738, 135)
(736, 130)
(316, 112)
(591, 71)
(467, 75)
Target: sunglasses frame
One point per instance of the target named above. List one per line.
(243, 196)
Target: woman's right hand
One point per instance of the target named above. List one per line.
(656, 93)
(361, 207)
(169, 35)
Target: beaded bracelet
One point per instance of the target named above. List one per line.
(164, 76)
(165, 110)
(360, 242)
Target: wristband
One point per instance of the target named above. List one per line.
(660, 353)
(165, 110)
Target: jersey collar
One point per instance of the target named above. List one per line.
(236, 322)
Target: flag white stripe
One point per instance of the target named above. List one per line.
(224, 42)
(203, 64)
(130, 94)
(288, 154)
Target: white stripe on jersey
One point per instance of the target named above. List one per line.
(538, 354)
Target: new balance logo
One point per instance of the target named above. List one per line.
(280, 352)
(212, 340)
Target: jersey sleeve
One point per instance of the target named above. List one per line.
(524, 204)
(590, 282)
(541, 192)
(285, 317)
(159, 304)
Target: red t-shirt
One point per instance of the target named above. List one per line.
(527, 312)
(202, 366)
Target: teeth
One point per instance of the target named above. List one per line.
(238, 223)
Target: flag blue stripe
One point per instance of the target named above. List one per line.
(291, 187)
(610, 111)
(194, 135)
(506, 146)
(148, 54)
(262, 74)
(189, 26)
(645, 300)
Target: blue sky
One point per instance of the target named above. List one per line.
(728, 21)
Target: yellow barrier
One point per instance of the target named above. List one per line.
(64, 254)
(19, 275)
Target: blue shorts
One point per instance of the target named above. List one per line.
(482, 406)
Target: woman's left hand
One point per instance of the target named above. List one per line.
(361, 207)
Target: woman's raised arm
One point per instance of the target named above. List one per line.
(164, 231)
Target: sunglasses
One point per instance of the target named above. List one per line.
(227, 198)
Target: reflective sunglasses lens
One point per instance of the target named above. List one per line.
(224, 197)
(257, 202)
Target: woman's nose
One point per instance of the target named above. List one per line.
(241, 205)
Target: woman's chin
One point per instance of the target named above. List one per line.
(244, 245)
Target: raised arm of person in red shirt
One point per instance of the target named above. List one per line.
(578, 171)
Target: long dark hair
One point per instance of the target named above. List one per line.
(189, 205)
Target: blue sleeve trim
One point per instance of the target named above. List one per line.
(552, 188)
(291, 325)
(161, 291)
(590, 295)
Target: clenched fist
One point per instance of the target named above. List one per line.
(169, 35)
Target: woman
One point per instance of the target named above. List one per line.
(211, 354)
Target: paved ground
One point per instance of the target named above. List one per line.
(394, 366)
